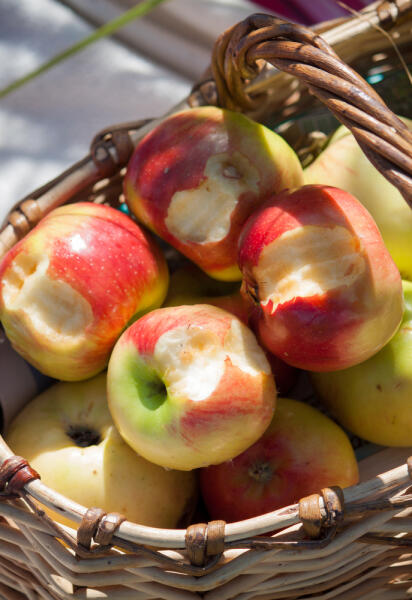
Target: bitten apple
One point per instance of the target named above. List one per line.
(328, 291)
(301, 452)
(198, 175)
(190, 285)
(69, 288)
(189, 386)
(69, 438)
(374, 399)
(344, 165)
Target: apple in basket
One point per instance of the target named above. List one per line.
(344, 165)
(374, 399)
(189, 386)
(190, 285)
(328, 292)
(199, 174)
(301, 452)
(67, 435)
(69, 288)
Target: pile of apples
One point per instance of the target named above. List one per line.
(175, 385)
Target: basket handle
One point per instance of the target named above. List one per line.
(241, 53)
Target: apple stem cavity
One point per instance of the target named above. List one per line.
(83, 436)
(261, 472)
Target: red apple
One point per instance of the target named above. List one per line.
(188, 386)
(69, 288)
(301, 452)
(196, 178)
(328, 293)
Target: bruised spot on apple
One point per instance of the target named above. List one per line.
(67, 435)
(326, 291)
(190, 385)
(199, 174)
(72, 284)
(301, 452)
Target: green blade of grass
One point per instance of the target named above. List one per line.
(137, 11)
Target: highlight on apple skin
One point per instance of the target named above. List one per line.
(343, 164)
(301, 452)
(199, 174)
(189, 386)
(315, 265)
(374, 399)
(71, 285)
(67, 435)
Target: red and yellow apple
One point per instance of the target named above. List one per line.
(189, 386)
(301, 452)
(69, 288)
(374, 399)
(67, 435)
(198, 175)
(343, 164)
(190, 285)
(328, 292)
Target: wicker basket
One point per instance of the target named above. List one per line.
(342, 545)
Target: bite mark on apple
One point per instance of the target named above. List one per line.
(203, 214)
(52, 306)
(192, 360)
(308, 261)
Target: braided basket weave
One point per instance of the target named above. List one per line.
(349, 544)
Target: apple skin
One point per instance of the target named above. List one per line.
(190, 285)
(189, 386)
(343, 164)
(70, 287)
(374, 399)
(301, 452)
(198, 175)
(107, 474)
(315, 265)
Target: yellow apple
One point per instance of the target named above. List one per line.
(68, 436)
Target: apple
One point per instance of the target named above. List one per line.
(328, 292)
(301, 452)
(342, 164)
(189, 386)
(199, 174)
(70, 287)
(374, 399)
(68, 436)
(190, 285)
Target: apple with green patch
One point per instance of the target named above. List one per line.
(189, 386)
(343, 164)
(68, 436)
(199, 174)
(374, 399)
(327, 290)
(301, 452)
(70, 287)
